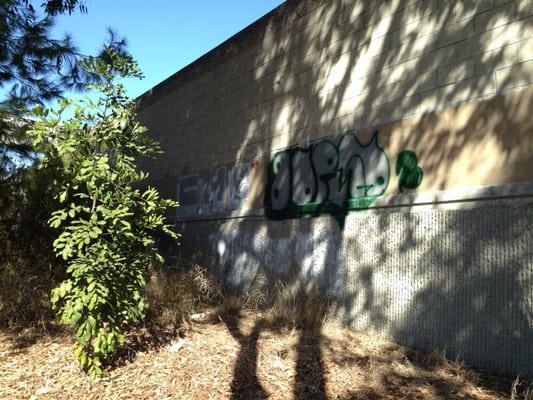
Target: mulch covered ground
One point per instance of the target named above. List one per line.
(239, 356)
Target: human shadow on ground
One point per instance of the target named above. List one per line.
(245, 384)
(382, 372)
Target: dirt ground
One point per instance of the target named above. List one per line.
(240, 356)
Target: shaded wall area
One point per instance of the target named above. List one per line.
(454, 279)
(440, 258)
(312, 69)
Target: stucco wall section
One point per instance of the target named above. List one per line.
(454, 279)
(442, 258)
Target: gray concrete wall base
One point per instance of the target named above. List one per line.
(454, 279)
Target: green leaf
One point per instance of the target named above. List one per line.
(63, 196)
(107, 230)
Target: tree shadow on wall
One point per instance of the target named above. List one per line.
(475, 263)
(465, 273)
(318, 71)
(301, 65)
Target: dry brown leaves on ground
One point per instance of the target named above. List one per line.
(240, 356)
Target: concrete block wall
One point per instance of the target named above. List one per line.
(313, 69)
(453, 278)
(443, 262)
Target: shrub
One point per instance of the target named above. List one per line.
(107, 224)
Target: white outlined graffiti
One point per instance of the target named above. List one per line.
(238, 185)
(326, 178)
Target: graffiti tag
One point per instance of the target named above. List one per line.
(409, 173)
(326, 178)
(238, 183)
(323, 177)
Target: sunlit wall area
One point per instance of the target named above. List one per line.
(381, 149)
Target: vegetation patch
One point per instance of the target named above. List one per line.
(205, 342)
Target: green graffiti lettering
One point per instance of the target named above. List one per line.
(324, 178)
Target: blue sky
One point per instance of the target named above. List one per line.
(163, 35)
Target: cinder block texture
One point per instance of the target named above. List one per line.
(459, 280)
(448, 86)
(314, 67)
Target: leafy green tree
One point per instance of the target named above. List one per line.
(107, 224)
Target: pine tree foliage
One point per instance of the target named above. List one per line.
(35, 68)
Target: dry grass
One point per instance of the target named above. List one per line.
(177, 293)
(28, 272)
(280, 345)
(174, 295)
(243, 356)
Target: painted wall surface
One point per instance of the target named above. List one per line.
(381, 148)
(458, 279)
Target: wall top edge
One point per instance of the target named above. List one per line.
(219, 54)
